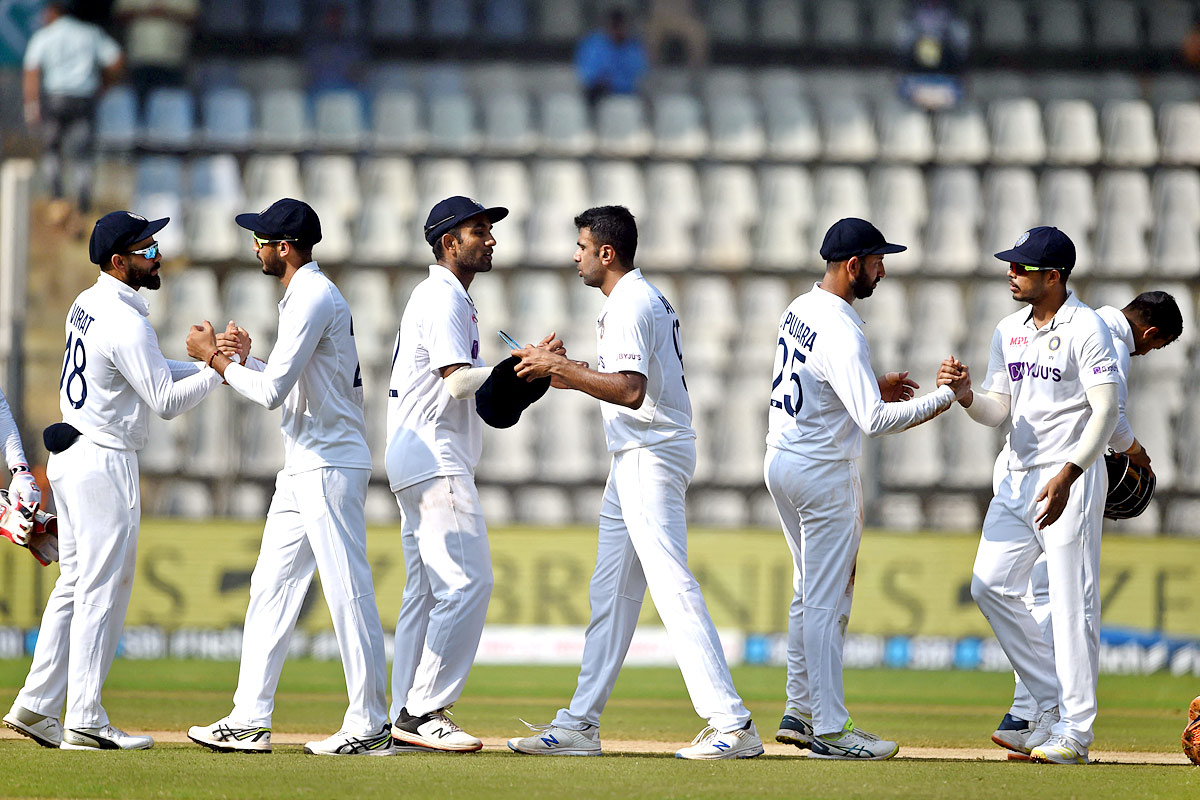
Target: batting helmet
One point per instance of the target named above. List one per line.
(1130, 487)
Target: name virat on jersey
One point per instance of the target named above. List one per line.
(795, 327)
(79, 319)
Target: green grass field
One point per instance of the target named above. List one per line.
(920, 709)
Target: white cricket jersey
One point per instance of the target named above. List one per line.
(824, 394)
(430, 433)
(313, 372)
(637, 331)
(1122, 336)
(10, 438)
(113, 372)
(69, 53)
(1046, 372)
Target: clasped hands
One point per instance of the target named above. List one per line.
(957, 376)
(540, 361)
(203, 342)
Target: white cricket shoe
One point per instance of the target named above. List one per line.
(1041, 731)
(344, 743)
(795, 729)
(853, 745)
(710, 744)
(1059, 749)
(104, 738)
(46, 731)
(230, 736)
(1013, 734)
(433, 731)
(551, 740)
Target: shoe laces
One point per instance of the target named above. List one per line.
(708, 733)
(533, 727)
(444, 714)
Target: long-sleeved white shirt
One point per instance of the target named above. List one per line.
(10, 437)
(1122, 336)
(113, 372)
(824, 395)
(313, 372)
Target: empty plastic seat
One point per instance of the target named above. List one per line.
(1115, 25)
(559, 20)
(1073, 133)
(667, 239)
(792, 132)
(228, 118)
(332, 181)
(1010, 189)
(506, 182)
(987, 86)
(618, 183)
(224, 17)
(914, 461)
(566, 129)
(1121, 247)
(1068, 199)
(1167, 23)
(781, 22)
(270, 177)
(1177, 126)
(1124, 194)
(848, 130)
(508, 123)
(838, 192)
(1129, 139)
(439, 178)
(1003, 26)
(1002, 228)
(452, 123)
(1176, 192)
(383, 235)
(211, 234)
(560, 189)
(450, 19)
(728, 21)
(283, 120)
(707, 347)
(159, 174)
(736, 127)
(939, 323)
(338, 119)
(572, 447)
(506, 20)
(836, 23)
(392, 19)
(396, 122)
(392, 179)
(117, 119)
(679, 126)
(960, 136)
(282, 16)
(170, 117)
(375, 321)
(1176, 248)
(621, 127)
(539, 303)
(956, 190)
(905, 133)
(1016, 131)
(951, 246)
(217, 177)
(731, 203)
(897, 192)
(1060, 26)
(786, 203)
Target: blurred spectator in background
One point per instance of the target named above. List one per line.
(67, 62)
(334, 57)
(676, 23)
(158, 37)
(933, 41)
(610, 61)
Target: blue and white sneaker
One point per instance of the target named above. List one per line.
(711, 745)
(795, 729)
(551, 740)
(344, 743)
(853, 745)
(1013, 734)
(230, 736)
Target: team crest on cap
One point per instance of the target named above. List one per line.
(1024, 238)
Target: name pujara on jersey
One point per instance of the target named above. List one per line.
(795, 327)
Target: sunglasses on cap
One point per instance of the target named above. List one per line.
(150, 252)
(262, 241)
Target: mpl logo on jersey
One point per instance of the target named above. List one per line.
(1031, 369)
(1018, 341)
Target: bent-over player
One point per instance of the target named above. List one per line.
(1053, 374)
(643, 528)
(1150, 321)
(113, 377)
(823, 397)
(316, 520)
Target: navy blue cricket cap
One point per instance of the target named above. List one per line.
(852, 237)
(1045, 246)
(116, 231)
(285, 219)
(504, 395)
(452, 211)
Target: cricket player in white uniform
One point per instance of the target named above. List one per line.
(316, 519)
(1053, 372)
(1150, 321)
(113, 377)
(434, 441)
(823, 397)
(643, 528)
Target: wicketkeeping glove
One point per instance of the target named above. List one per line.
(16, 519)
(24, 488)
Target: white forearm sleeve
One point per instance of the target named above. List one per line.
(988, 408)
(895, 417)
(1099, 427)
(10, 439)
(465, 381)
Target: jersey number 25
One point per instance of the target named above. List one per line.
(789, 396)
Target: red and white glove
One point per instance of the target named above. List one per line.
(16, 520)
(24, 489)
(34, 530)
(43, 542)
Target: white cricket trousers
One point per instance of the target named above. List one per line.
(447, 586)
(820, 507)
(315, 521)
(1008, 550)
(1037, 600)
(97, 497)
(643, 543)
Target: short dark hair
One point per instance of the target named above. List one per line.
(1157, 310)
(613, 226)
(439, 251)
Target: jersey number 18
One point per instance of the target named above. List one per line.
(76, 358)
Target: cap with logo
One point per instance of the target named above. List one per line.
(1045, 246)
(116, 231)
(852, 237)
(503, 396)
(285, 219)
(452, 211)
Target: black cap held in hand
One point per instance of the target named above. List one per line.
(288, 219)
(1045, 246)
(503, 396)
(451, 212)
(852, 237)
(115, 232)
